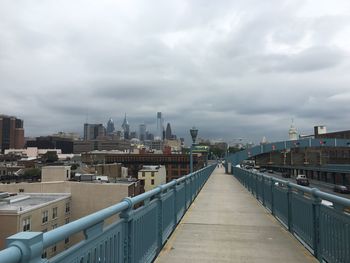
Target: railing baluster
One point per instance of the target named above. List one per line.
(100, 245)
(325, 230)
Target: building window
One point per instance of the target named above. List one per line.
(26, 224)
(54, 212)
(66, 240)
(152, 182)
(67, 208)
(45, 216)
(143, 174)
(21, 190)
(152, 174)
(53, 249)
(44, 254)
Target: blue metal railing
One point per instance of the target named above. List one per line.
(137, 236)
(321, 221)
(238, 157)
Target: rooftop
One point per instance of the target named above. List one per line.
(20, 203)
(150, 168)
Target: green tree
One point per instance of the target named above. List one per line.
(32, 172)
(74, 166)
(234, 149)
(50, 157)
(185, 150)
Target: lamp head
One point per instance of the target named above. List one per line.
(194, 133)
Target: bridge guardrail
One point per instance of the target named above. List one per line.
(238, 157)
(321, 221)
(137, 236)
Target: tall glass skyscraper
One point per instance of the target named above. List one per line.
(142, 132)
(126, 128)
(110, 126)
(160, 126)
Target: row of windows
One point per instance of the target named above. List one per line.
(45, 214)
(4, 172)
(54, 247)
(161, 159)
(26, 224)
(144, 174)
(142, 182)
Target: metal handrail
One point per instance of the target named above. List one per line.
(318, 225)
(18, 251)
(62, 232)
(236, 158)
(11, 254)
(313, 191)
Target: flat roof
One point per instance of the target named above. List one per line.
(22, 203)
(147, 168)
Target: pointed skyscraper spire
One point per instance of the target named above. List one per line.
(126, 127)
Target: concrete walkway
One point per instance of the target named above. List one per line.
(227, 224)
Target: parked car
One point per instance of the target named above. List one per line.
(342, 189)
(263, 170)
(302, 180)
(270, 171)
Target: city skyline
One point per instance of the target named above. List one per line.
(234, 69)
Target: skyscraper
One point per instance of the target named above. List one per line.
(142, 132)
(292, 133)
(168, 134)
(110, 126)
(160, 126)
(93, 131)
(11, 133)
(126, 128)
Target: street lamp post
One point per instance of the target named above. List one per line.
(194, 133)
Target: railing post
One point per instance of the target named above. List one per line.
(175, 206)
(30, 244)
(316, 222)
(186, 192)
(289, 208)
(256, 185)
(263, 189)
(129, 231)
(160, 218)
(272, 197)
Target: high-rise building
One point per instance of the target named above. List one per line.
(110, 126)
(126, 128)
(142, 132)
(149, 136)
(52, 142)
(160, 126)
(11, 133)
(93, 131)
(292, 133)
(133, 135)
(168, 134)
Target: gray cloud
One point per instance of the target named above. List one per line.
(234, 68)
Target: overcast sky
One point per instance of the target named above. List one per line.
(234, 69)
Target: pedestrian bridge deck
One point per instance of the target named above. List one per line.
(227, 224)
